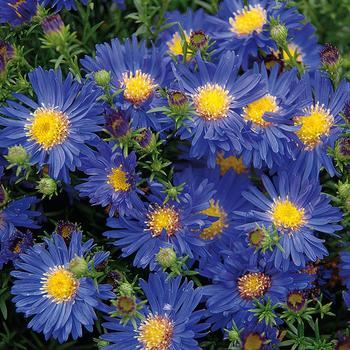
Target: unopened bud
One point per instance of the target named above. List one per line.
(78, 266)
(102, 77)
(166, 257)
(47, 186)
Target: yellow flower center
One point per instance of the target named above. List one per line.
(48, 127)
(156, 333)
(316, 123)
(118, 179)
(256, 237)
(212, 102)
(293, 50)
(256, 110)
(253, 341)
(230, 162)
(286, 215)
(251, 19)
(60, 284)
(175, 45)
(253, 285)
(217, 227)
(163, 218)
(138, 87)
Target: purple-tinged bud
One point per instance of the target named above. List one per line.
(177, 98)
(52, 24)
(66, 229)
(296, 300)
(329, 55)
(6, 54)
(126, 305)
(114, 278)
(145, 138)
(198, 39)
(342, 150)
(116, 122)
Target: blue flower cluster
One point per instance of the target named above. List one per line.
(205, 149)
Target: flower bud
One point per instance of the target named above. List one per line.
(47, 186)
(126, 305)
(166, 257)
(145, 139)
(344, 190)
(78, 266)
(6, 54)
(233, 335)
(17, 155)
(52, 24)
(102, 77)
(329, 55)
(279, 33)
(198, 40)
(296, 300)
(116, 122)
(342, 150)
(114, 278)
(177, 98)
(66, 229)
(126, 288)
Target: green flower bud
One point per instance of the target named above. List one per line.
(101, 343)
(279, 33)
(17, 155)
(47, 186)
(102, 77)
(344, 190)
(126, 288)
(78, 266)
(233, 335)
(166, 257)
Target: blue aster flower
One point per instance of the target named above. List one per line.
(246, 30)
(319, 125)
(59, 301)
(296, 209)
(111, 180)
(138, 72)
(239, 278)
(17, 214)
(190, 22)
(56, 129)
(14, 245)
(62, 4)
(16, 12)
(160, 223)
(217, 92)
(171, 321)
(269, 119)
